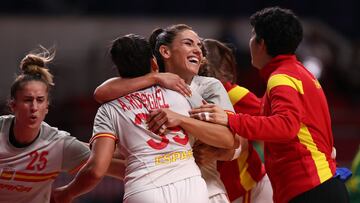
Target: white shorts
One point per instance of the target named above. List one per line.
(190, 190)
(219, 198)
(261, 193)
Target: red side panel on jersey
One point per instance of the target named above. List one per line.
(241, 175)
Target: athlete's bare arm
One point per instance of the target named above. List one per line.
(210, 133)
(117, 168)
(117, 87)
(89, 175)
(205, 153)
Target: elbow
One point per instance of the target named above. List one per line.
(228, 140)
(291, 127)
(97, 95)
(95, 173)
(229, 145)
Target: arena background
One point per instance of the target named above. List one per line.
(81, 32)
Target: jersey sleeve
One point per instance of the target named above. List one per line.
(103, 124)
(75, 153)
(2, 118)
(215, 93)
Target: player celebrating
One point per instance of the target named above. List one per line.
(178, 49)
(161, 167)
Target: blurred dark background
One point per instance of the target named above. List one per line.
(81, 31)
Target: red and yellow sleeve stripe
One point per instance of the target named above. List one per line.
(102, 135)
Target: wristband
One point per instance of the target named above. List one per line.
(333, 153)
(236, 153)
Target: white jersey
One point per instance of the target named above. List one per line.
(212, 91)
(27, 173)
(153, 160)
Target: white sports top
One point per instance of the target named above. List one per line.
(153, 160)
(27, 173)
(212, 91)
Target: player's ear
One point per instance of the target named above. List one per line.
(47, 108)
(154, 65)
(165, 51)
(12, 105)
(262, 45)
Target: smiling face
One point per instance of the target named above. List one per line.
(30, 104)
(183, 57)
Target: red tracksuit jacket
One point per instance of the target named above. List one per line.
(295, 125)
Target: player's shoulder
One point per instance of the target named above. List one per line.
(50, 133)
(5, 119)
(159, 91)
(107, 106)
(204, 80)
(5, 122)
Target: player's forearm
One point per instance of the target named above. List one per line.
(230, 154)
(225, 154)
(117, 87)
(117, 169)
(212, 134)
(84, 182)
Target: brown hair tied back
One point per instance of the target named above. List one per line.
(33, 68)
(35, 64)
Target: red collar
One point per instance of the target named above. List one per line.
(275, 63)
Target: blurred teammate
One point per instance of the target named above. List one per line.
(244, 178)
(32, 153)
(160, 166)
(178, 50)
(294, 120)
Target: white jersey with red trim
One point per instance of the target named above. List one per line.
(212, 91)
(153, 160)
(26, 174)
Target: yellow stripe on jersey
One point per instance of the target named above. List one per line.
(321, 163)
(103, 135)
(35, 177)
(283, 79)
(6, 175)
(245, 178)
(29, 177)
(237, 93)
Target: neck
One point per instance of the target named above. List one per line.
(187, 78)
(265, 60)
(24, 134)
